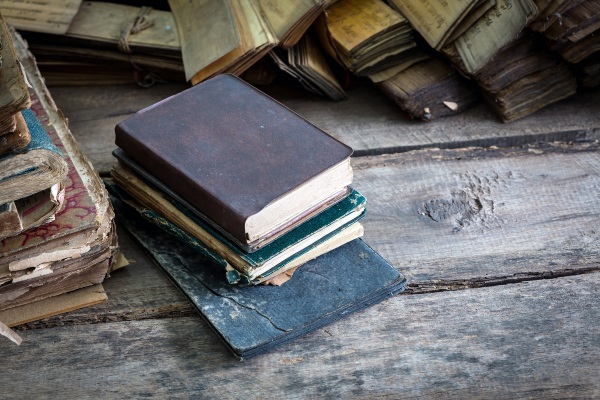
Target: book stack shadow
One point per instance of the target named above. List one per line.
(250, 211)
(56, 228)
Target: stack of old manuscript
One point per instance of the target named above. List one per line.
(576, 37)
(100, 42)
(429, 89)
(56, 224)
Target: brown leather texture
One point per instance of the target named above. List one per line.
(227, 148)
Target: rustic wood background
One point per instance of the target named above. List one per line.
(496, 227)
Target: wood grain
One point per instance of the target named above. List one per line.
(367, 121)
(450, 216)
(527, 340)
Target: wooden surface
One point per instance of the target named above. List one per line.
(367, 121)
(501, 248)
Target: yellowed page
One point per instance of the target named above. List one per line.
(434, 19)
(283, 14)
(47, 16)
(352, 22)
(496, 29)
(104, 22)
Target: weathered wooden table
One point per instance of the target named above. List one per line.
(496, 228)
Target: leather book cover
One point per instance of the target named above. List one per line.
(228, 149)
(252, 320)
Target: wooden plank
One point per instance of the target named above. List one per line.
(472, 217)
(372, 124)
(445, 219)
(528, 340)
(368, 121)
(93, 112)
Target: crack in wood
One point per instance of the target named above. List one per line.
(474, 283)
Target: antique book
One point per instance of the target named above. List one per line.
(438, 20)
(34, 168)
(252, 320)
(31, 211)
(524, 56)
(251, 166)
(17, 138)
(80, 298)
(524, 77)
(429, 89)
(337, 224)
(549, 11)
(532, 92)
(305, 62)
(575, 23)
(487, 36)
(111, 43)
(575, 52)
(77, 249)
(50, 16)
(14, 96)
(230, 36)
(366, 36)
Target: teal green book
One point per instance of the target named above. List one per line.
(34, 168)
(329, 229)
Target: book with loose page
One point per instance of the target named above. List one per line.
(252, 320)
(77, 248)
(429, 89)
(252, 168)
(32, 211)
(14, 96)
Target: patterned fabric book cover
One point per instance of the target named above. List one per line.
(252, 320)
(79, 211)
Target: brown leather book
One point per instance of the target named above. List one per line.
(249, 165)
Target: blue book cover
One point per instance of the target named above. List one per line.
(34, 168)
(251, 319)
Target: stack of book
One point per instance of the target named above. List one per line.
(240, 177)
(56, 223)
(232, 193)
